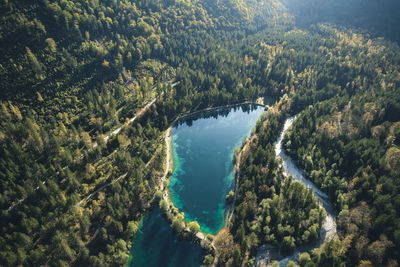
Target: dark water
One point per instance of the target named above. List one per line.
(156, 245)
(203, 149)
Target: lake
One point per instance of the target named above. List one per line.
(203, 151)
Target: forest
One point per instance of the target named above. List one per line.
(271, 208)
(82, 152)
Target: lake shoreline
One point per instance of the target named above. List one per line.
(185, 116)
(238, 157)
(236, 172)
(203, 238)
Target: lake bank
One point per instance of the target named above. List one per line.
(219, 118)
(203, 152)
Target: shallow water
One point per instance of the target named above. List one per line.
(203, 150)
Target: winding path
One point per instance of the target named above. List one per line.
(328, 229)
(138, 114)
(114, 132)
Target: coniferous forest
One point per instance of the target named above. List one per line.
(88, 89)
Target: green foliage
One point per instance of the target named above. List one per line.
(345, 145)
(74, 71)
(194, 226)
(304, 259)
(380, 18)
(271, 208)
(208, 260)
(131, 228)
(158, 195)
(178, 225)
(229, 197)
(224, 245)
(164, 206)
(291, 264)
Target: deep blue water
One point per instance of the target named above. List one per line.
(156, 245)
(203, 150)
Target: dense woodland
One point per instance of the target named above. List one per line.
(379, 18)
(72, 193)
(352, 153)
(271, 208)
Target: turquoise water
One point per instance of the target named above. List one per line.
(156, 245)
(203, 149)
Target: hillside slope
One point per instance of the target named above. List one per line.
(72, 72)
